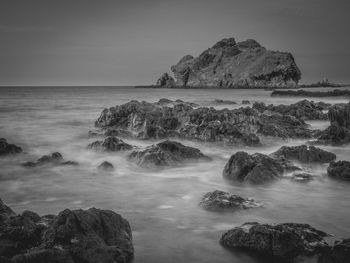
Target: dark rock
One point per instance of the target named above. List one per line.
(7, 148)
(71, 163)
(245, 102)
(255, 168)
(307, 93)
(110, 144)
(166, 81)
(53, 159)
(282, 242)
(229, 64)
(223, 102)
(219, 200)
(340, 170)
(304, 154)
(87, 236)
(340, 252)
(106, 166)
(166, 153)
(302, 176)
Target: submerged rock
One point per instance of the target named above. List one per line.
(166, 153)
(110, 144)
(219, 200)
(284, 242)
(255, 168)
(106, 166)
(304, 154)
(244, 64)
(52, 159)
(339, 170)
(166, 81)
(301, 176)
(7, 148)
(73, 236)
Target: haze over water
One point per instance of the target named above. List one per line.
(161, 205)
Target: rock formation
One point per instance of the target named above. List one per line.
(166, 153)
(166, 81)
(219, 200)
(106, 166)
(73, 236)
(7, 148)
(339, 170)
(53, 159)
(244, 64)
(110, 144)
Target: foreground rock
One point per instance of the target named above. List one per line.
(219, 200)
(73, 236)
(305, 110)
(236, 126)
(244, 64)
(7, 148)
(54, 159)
(110, 144)
(339, 170)
(339, 130)
(285, 242)
(304, 154)
(106, 166)
(307, 93)
(165, 154)
(255, 168)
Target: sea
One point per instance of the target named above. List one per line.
(161, 205)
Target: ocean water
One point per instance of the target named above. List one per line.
(161, 205)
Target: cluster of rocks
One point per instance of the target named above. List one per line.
(7, 148)
(53, 159)
(229, 64)
(145, 120)
(110, 144)
(308, 93)
(72, 236)
(339, 170)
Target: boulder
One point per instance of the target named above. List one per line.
(106, 166)
(110, 144)
(281, 242)
(304, 154)
(73, 236)
(244, 64)
(7, 148)
(245, 102)
(339, 170)
(166, 153)
(255, 168)
(219, 200)
(52, 159)
(166, 81)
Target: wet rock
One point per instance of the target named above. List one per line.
(52, 159)
(110, 144)
(166, 153)
(166, 81)
(244, 64)
(106, 166)
(245, 102)
(219, 200)
(301, 176)
(281, 242)
(255, 168)
(304, 154)
(7, 148)
(339, 170)
(89, 236)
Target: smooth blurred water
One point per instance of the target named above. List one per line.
(161, 205)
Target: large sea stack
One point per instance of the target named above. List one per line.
(230, 64)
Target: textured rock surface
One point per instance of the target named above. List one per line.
(255, 168)
(219, 200)
(304, 154)
(166, 153)
(7, 148)
(110, 144)
(238, 126)
(242, 64)
(53, 159)
(106, 166)
(308, 93)
(340, 170)
(282, 241)
(88, 236)
(166, 81)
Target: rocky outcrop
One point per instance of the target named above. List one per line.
(245, 102)
(73, 236)
(7, 148)
(166, 153)
(244, 64)
(237, 126)
(282, 242)
(305, 110)
(339, 130)
(110, 144)
(255, 168)
(53, 159)
(106, 166)
(308, 93)
(304, 154)
(166, 81)
(219, 200)
(339, 170)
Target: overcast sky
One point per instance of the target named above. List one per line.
(112, 42)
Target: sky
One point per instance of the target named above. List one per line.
(131, 42)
